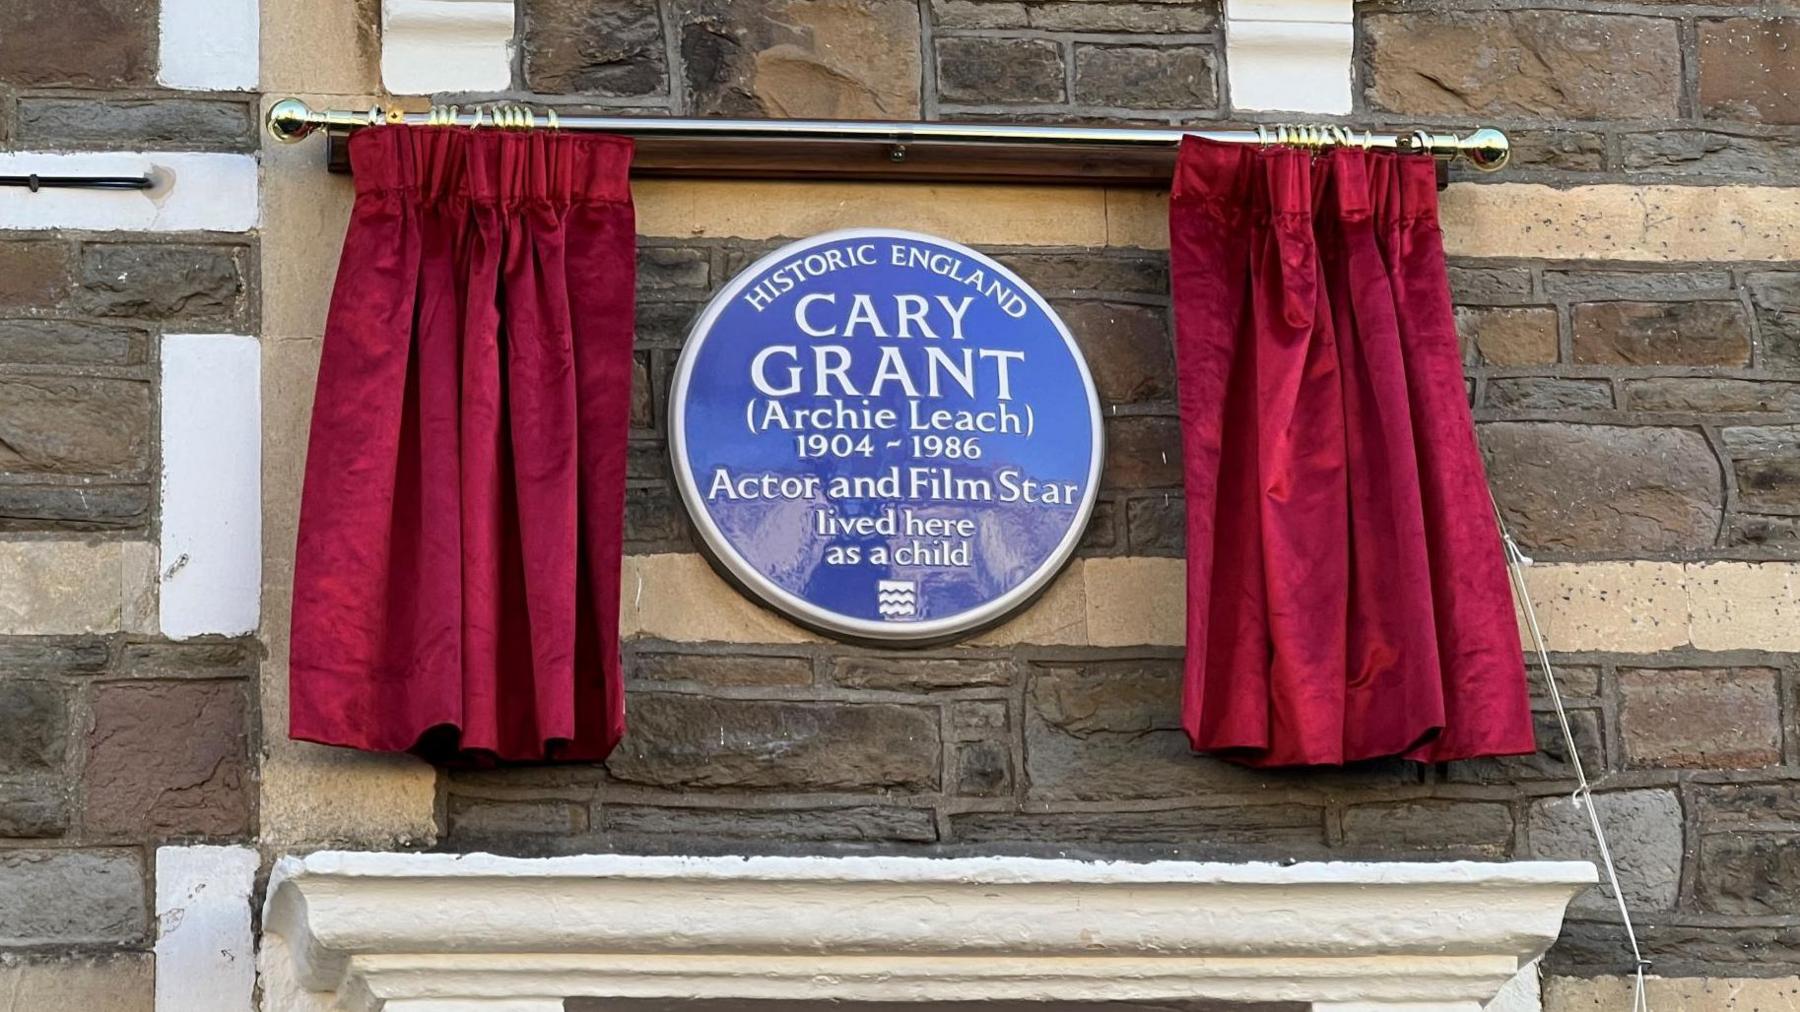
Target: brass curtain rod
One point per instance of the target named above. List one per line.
(291, 119)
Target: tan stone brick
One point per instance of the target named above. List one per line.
(121, 982)
(304, 214)
(1057, 618)
(1744, 606)
(678, 597)
(1522, 335)
(1618, 222)
(341, 51)
(53, 587)
(1136, 601)
(1631, 607)
(968, 213)
(1690, 994)
(313, 795)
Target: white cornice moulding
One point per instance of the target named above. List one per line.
(432, 46)
(371, 932)
(1289, 55)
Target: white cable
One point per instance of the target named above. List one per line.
(1584, 794)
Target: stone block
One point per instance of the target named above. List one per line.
(1708, 153)
(34, 273)
(181, 124)
(615, 48)
(1558, 65)
(34, 726)
(1771, 484)
(989, 71)
(1071, 275)
(1564, 150)
(73, 507)
(1696, 994)
(776, 827)
(1762, 532)
(1644, 831)
(1153, 18)
(1441, 828)
(1661, 333)
(490, 817)
(1737, 606)
(71, 897)
(1711, 395)
(1136, 601)
(977, 719)
(74, 425)
(114, 46)
(1776, 296)
(1588, 285)
(1157, 525)
(164, 281)
(1549, 762)
(34, 809)
(67, 587)
(1747, 69)
(1712, 718)
(806, 59)
(1620, 222)
(1142, 451)
(1489, 284)
(135, 783)
(1127, 348)
(1738, 806)
(983, 769)
(70, 342)
(1285, 829)
(1548, 393)
(721, 670)
(905, 673)
(1180, 77)
(695, 741)
(113, 982)
(1598, 488)
(316, 796)
(1748, 874)
(1514, 335)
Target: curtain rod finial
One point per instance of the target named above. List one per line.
(1487, 149)
(290, 119)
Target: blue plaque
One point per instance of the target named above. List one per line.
(886, 436)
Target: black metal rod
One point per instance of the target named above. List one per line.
(35, 182)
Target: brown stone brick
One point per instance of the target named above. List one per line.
(721, 669)
(1465, 828)
(643, 401)
(695, 741)
(1776, 295)
(809, 59)
(1147, 77)
(1705, 394)
(71, 897)
(1548, 393)
(135, 781)
(1521, 335)
(1144, 18)
(983, 769)
(914, 674)
(137, 124)
(1142, 452)
(1285, 829)
(34, 274)
(1157, 525)
(1604, 488)
(73, 507)
(34, 721)
(1127, 348)
(1066, 275)
(1768, 483)
(60, 425)
(1560, 65)
(1736, 806)
(33, 810)
(162, 281)
(1549, 762)
(85, 44)
(1705, 152)
(1661, 333)
(1567, 150)
(1489, 284)
(71, 342)
(1762, 531)
(987, 71)
(786, 826)
(1749, 874)
(1644, 832)
(1748, 69)
(1701, 718)
(471, 816)
(613, 48)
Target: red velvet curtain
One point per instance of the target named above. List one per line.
(456, 578)
(1347, 596)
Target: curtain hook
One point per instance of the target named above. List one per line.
(550, 117)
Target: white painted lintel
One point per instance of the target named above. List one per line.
(1289, 55)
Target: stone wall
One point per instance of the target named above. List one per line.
(1633, 356)
(113, 739)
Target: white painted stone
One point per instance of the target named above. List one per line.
(194, 192)
(211, 558)
(385, 930)
(1289, 56)
(430, 46)
(1523, 993)
(205, 955)
(208, 45)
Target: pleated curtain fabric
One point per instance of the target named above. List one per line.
(1346, 593)
(456, 576)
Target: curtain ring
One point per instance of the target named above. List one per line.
(551, 120)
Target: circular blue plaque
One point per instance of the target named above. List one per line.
(885, 435)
